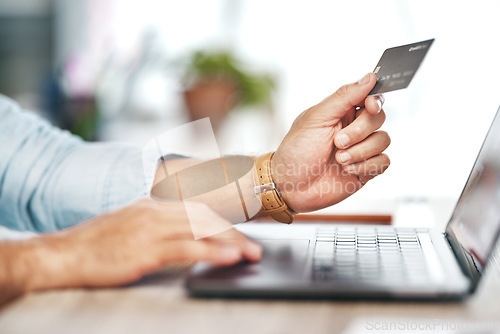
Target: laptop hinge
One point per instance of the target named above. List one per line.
(463, 261)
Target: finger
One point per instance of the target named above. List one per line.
(198, 222)
(347, 97)
(374, 103)
(375, 144)
(252, 251)
(359, 129)
(370, 168)
(348, 118)
(359, 111)
(179, 220)
(207, 224)
(198, 250)
(160, 254)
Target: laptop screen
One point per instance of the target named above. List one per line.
(475, 223)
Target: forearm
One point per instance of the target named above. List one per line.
(41, 263)
(226, 185)
(17, 260)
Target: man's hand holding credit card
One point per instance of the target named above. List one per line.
(398, 65)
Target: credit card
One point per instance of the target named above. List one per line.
(398, 65)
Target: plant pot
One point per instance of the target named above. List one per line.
(211, 98)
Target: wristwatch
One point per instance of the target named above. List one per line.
(266, 191)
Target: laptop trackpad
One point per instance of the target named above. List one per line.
(281, 258)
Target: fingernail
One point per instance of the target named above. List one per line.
(343, 140)
(344, 157)
(254, 248)
(380, 101)
(364, 80)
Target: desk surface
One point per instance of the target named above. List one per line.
(159, 304)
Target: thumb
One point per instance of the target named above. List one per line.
(349, 96)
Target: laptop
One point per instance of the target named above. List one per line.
(370, 261)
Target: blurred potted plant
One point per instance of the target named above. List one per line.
(216, 82)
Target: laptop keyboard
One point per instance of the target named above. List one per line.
(369, 255)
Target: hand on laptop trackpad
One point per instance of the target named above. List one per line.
(280, 258)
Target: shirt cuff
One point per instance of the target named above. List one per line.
(7, 234)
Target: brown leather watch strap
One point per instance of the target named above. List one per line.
(265, 189)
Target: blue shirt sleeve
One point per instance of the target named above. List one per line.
(50, 179)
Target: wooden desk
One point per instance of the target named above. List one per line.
(329, 219)
(159, 304)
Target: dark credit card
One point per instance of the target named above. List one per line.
(398, 65)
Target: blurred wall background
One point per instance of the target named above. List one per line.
(110, 70)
